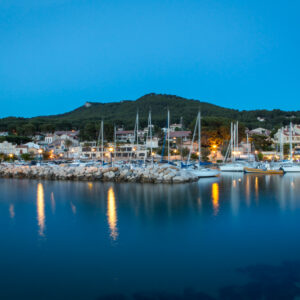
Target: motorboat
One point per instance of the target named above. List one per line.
(205, 172)
(234, 167)
(264, 169)
(287, 168)
(201, 172)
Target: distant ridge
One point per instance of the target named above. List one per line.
(124, 112)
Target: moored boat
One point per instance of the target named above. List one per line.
(291, 168)
(263, 171)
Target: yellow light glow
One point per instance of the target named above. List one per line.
(111, 149)
(214, 146)
(112, 213)
(215, 197)
(90, 185)
(40, 151)
(41, 209)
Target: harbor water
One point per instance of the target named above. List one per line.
(220, 238)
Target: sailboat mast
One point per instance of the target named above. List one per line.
(281, 144)
(231, 142)
(248, 150)
(168, 135)
(234, 140)
(199, 137)
(115, 142)
(137, 133)
(237, 136)
(102, 150)
(150, 132)
(291, 146)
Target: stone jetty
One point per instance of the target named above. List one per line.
(148, 174)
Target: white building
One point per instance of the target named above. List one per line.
(7, 148)
(286, 135)
(260, 131)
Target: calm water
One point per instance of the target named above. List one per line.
(224, 238)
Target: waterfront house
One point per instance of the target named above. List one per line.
(7, 148)
(259, 131)
(286, 135)
(21, 149)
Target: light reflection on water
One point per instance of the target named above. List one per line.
(215, 197)
(41, 209)
(112, 213)
(168, 236)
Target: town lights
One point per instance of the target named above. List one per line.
(111, 149)
(40, 151)
(11, 155)
(214, 146)
(153, 153)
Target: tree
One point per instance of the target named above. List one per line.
(261, 142)
(68, 144)
(27, 156)
(185, 152)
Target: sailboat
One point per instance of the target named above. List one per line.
(291, 166)
(234, 166)
(197, 169)
(101, 141)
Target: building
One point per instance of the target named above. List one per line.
(122, 152)
(72, 136)
(153, 143)
(286, 135)
(21, 149)
(183, 136)
(128, 136)
(260, 131)
(3, 133)
(7, 148)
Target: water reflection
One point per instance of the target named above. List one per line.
(52, 203)
(73, 207)
(41, 209)
(256, 188)
(112, 213)
(12, 211)
(215, 197)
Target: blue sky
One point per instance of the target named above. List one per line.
(55, 55)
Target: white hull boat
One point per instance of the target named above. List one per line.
(204, 172)
(233, 167)
(291, 168)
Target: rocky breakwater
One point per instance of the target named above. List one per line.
(150, 174)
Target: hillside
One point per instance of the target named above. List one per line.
(124, 112)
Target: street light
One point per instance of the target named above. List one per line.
(40, 151)
(111, 150)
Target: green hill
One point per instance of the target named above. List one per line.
(124, 112)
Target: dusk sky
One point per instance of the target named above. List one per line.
(55, 55)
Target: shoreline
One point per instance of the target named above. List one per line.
(149, 174)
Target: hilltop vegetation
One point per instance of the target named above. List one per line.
(87, 117)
